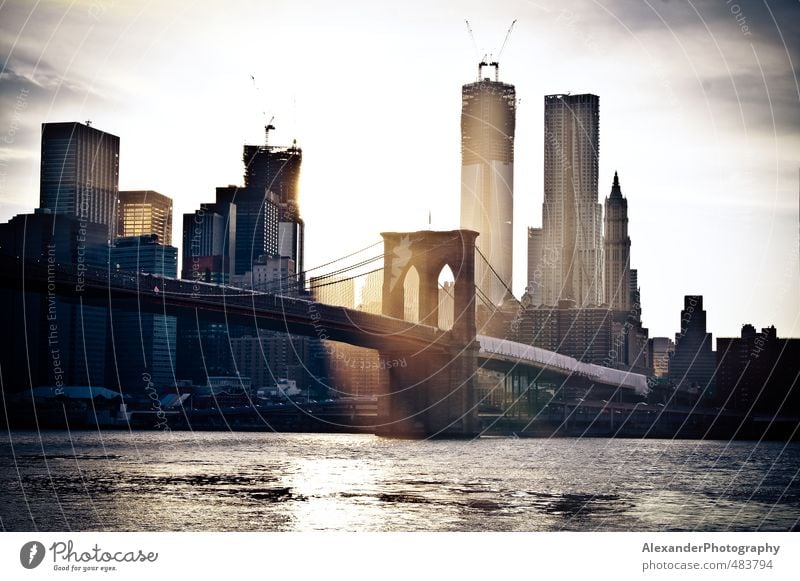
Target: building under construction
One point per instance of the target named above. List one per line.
(277, 169)
(488, 117)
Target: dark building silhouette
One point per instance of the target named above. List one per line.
(209, 243)
(758, 373)
(274, 169)
(533, 290)
(571, 215)
(257, 224)
(693, 364)
(635, 292)
(488, 120)
(80, 173)
(50, 340)
(144, 254)
(277, 170)
(143, 353)
(143, 212)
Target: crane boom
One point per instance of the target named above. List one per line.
(472, 37)
(510, 28)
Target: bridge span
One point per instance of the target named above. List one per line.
(434, 395)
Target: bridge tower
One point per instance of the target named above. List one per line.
(431, 391)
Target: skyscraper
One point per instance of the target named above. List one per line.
(144, 341)
(277, 170)
(488, 118)
(692, 365)
(571, 214)
(257, 224)
(534, 286)
(80, 173)
(49, 339)
(209, 243)
(144, 212)
(272, 168)
(617, 250)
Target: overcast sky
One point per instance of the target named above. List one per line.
(699, 113)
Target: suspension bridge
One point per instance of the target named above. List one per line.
(411, 296)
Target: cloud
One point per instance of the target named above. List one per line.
(767, 103)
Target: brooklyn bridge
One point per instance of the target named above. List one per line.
(433, 394)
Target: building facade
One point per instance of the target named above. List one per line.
(571, 214)
(144, 342)
(617, 250)
(488, 120)
(270, 274)
(209, 243)
(143, 212)
(533, 290)
(757, 373)
(257, 224)
(661, 349)
(80, 173)
(277, 170)
(144, 254)
(51, 340)
(693, 364)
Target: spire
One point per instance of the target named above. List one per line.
(616, 191)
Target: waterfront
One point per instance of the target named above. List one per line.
(119, 481)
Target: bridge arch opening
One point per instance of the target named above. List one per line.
(446, 308)
(411, 295)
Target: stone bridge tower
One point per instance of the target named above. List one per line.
(432, 393)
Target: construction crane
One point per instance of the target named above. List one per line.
(474, 43)
(510, 28)
(481, 60)
(496, 62)
(269, 126)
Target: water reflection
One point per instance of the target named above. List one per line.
(304, 482)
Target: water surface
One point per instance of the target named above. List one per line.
(222, 481)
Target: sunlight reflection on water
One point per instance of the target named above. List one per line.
(306, 482)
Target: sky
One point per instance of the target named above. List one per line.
(699, 114)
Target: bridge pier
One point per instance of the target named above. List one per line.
(433, 394)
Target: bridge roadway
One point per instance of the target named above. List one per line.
(154, 293)
(296, 315)
(554, 366)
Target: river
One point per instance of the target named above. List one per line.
(223, 481)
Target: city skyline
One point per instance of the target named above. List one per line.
(677, 253)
